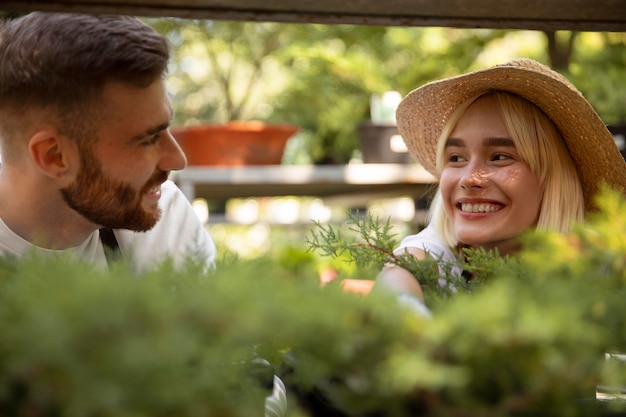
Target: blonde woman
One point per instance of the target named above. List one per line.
(514, 147)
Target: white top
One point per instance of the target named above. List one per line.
(430, 242)
(178, 235)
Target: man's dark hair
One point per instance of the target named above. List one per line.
(64, 60)
(59, 63)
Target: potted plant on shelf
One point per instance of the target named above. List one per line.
(219, 75)
(379, 138)
(234, 143)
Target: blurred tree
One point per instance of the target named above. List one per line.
(333, 76)
(321, 77)
(598, 69)
(560, 48)
(337, 68)
(220, 69)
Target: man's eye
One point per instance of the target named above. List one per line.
(152, 139)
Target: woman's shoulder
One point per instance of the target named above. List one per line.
(429, 241)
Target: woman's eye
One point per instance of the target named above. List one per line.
(501, 157)
(455, 158)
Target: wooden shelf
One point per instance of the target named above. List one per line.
(589, 15)
(350, 183)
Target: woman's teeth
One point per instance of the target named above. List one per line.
(479, 208)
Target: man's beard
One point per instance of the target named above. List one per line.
(110, 203)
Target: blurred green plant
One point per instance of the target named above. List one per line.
(528, 337)
(220, 69)
(599, 71)
(78, 341)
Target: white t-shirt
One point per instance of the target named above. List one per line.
(178, 235)
(430, 242)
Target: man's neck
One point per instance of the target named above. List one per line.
(40, 215)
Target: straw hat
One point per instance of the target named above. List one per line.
(423, 113)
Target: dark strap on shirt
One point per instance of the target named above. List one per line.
(111, 247)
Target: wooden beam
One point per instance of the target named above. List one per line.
(581, 15)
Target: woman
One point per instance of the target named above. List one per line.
(514, 147)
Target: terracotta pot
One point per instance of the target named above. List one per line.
(234, 143)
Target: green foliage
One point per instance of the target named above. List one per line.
(530, 340)
(85, 342)
(321, 77)
(80, 342)
(599, 71)
(375, 247)
(328, 96)
(370, 243)
(336, 68)
(219, 69)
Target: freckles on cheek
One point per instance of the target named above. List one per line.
(512, 178)
(525, 184)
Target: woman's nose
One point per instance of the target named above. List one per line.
(474, 176)
(172, 156)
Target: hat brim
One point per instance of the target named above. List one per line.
(423, 113)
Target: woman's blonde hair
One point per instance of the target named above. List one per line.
(542, 147)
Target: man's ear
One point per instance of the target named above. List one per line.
(52, 152)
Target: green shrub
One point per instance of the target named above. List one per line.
(528, 337)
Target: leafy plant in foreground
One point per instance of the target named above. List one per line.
(371, 244)
(529, 341)
(530, 335)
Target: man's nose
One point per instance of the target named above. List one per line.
(172, 156)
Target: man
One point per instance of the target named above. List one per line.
(85, 145)
(86, 150)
